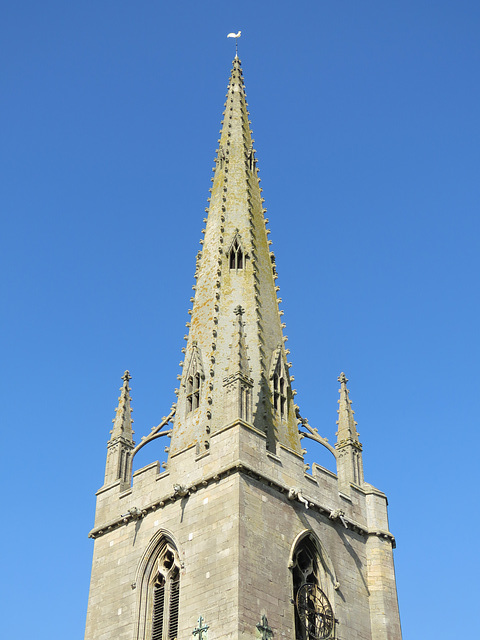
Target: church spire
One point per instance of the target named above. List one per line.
(349, 459)
(121, 442)
(234, 268)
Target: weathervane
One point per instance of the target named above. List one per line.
(236, 36)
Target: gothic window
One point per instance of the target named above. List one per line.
(193, 392)
(164, 597)
(193, 381)
(279, 390)
(314, 619)
(236, 257)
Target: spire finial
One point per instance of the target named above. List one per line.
(236, 36)
(342, 378)
(126, 376)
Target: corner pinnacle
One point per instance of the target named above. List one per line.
(122, 423)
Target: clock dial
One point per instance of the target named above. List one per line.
(315, 612)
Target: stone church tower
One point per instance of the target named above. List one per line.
(234, 538)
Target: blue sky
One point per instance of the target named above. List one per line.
(366, 121)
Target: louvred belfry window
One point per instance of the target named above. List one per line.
(158, 608)
(166, 599)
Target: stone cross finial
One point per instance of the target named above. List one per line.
(342, 378)
(201, 629)
(264, 629)
(239, 310)
(126, 376)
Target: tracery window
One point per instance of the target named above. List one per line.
(314, 619)
(193, 380)
(236, 258)
(165, 597)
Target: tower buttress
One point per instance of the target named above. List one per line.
(348, 446)
(121, 444)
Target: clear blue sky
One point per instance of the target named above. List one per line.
(366, 119)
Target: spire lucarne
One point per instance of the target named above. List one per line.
(235, 268)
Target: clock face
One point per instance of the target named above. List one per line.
(315, 613)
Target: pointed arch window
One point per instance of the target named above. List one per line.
(236, 256)
(314, 618)
(158, 584)
(280, 390)
(163, 616)
(193, 392)
(193, 381)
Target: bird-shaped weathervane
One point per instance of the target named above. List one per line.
(236, 36)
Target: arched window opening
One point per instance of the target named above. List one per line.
(193, 391)
(189, 394)
(279, 391)
(196, 391)
(314, 618)
(165, 598)
(194, 376)
(236, 256)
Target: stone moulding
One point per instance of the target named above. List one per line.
(135, 513)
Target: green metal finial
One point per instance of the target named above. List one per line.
(264, 629)
(201, 629)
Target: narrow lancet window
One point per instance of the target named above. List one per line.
(193, 392)
(193, 382)
(236, 256)
(279, 391)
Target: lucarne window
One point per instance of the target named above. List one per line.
(193, 392)
(279, 391)
(236, 256)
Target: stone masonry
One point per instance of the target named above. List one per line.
(235, 500)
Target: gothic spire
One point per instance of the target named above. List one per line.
(122, 423)
(235, 267)
(120, 445)
(347, 427)
(349, 460)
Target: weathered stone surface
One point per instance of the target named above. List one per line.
(235, 500)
